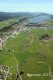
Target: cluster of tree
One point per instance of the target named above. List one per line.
(44, 37)
(4, 29)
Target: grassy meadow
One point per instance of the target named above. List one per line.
(28, 54)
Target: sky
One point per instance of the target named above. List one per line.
(45, 6)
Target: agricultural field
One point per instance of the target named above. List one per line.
(32, 55)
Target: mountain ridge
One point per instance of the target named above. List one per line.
(6, 15)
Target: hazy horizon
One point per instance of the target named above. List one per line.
(43, 6)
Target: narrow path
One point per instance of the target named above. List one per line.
(31, 40)
(18, 70)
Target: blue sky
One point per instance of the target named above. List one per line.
(26, 6)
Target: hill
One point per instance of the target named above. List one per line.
(5, 15)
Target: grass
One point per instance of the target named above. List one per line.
(9, 21)
(27, 57)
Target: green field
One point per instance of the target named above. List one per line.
(8, 22)
(28, 55)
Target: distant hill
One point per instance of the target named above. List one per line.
(37, 16)
(4, 15)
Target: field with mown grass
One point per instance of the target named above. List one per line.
(28, 54)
